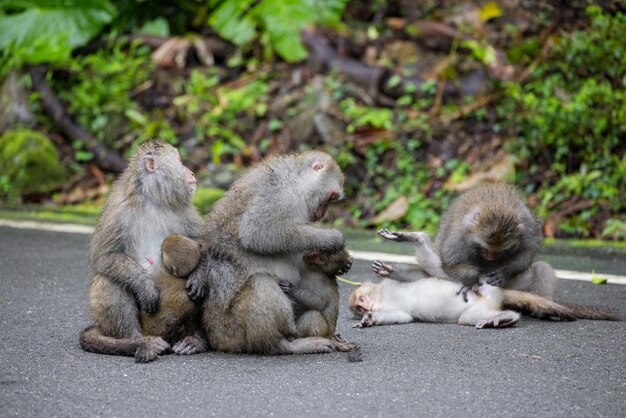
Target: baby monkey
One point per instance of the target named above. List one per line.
(316, 296)
(421, 293)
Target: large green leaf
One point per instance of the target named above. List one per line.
(281, 20)
(48, 30)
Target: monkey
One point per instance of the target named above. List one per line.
(436, 300)
(424, 293)
(177, 319)
(316, 299)
(150, 201)
(256, 236)
(488, 231)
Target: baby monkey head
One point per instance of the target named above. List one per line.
(494, 231)
(363, 299)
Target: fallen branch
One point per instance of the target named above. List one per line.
(377, 80)
(106, 159)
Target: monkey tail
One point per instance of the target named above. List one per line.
(593, 312)
(539, 307)
(92, 340)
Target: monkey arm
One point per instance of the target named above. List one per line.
(306, 298)
(463, 273)
(126, 272)
(383, 318)
(518, 264)
(264, 238)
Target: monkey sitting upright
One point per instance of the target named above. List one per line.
(255, 236)
(150, 201)
(488, 231)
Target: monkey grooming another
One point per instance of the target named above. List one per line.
(316, 298)
(256, 236)
(488, 231)
(411, 295)
(150, 201)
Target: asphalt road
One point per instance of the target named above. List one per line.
(537, 368)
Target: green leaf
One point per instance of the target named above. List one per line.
(157, 27)
(48, 30)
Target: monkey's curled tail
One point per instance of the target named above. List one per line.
(542, 308)
(144, 349)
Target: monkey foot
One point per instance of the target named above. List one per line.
(150, 349)
(418, 238)
(382, 269)
(190, 345)
(502, 320)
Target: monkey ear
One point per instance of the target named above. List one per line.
(318, 166)
(149, 162)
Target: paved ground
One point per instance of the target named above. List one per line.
(537, 368)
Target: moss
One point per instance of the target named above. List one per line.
(205, 198)
(29, 163)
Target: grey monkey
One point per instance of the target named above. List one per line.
(256, 236)
(150, 201)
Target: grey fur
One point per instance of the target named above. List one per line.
(492, 214)
(256, 236)
(144, 207)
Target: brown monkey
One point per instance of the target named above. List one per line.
(177, 319)
(150, 201)
(316, 298)
(256, 236)
(488, 231)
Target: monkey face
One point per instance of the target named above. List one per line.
(328, 179)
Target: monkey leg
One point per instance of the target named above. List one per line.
(482, 316)
(313, 324)
(539, 279)
(412, 237)
(177, 319)
(117, 330)
(401, 273)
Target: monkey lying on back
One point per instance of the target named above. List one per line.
(150, 201)
(419, 297)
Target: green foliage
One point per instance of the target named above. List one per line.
(615, 229)
(28, 164)
(204, 199)
(279, 21)
(571, 117)
(99, 94)
(224, 113)
(48, 30)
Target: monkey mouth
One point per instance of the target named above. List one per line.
(321, 210)
(490, 255)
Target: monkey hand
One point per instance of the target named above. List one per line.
(286, 286)
(466, 288)
(197, 288)
(345, 268)
(366, 321)
(381, 269)
(147, 295)
(495, 278)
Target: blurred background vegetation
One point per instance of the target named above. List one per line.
(417, 100)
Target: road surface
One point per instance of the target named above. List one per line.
(437, 370)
